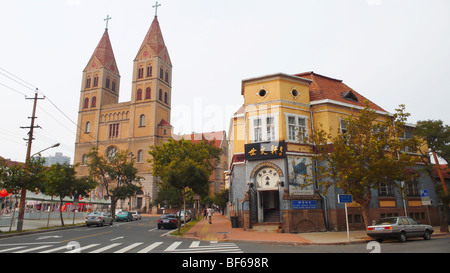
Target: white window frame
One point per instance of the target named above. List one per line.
(296, 126)
(264, 128)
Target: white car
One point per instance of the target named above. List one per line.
(136, 215)
(181, 215)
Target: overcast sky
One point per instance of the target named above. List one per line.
(391, 51)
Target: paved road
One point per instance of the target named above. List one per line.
(144, 237)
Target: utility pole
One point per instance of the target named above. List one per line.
(30, 141)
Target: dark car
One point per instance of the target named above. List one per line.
(124, 216)
(400, 227)
(168, 221)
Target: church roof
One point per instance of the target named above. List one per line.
(104, 52)
(326, 88)
(154, 38)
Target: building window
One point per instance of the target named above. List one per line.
(160, 94)
(342, 126)
(107, 83)
(84, 160)
(385, 190)
(87, 128)
(296, 127)
(167, 77)
(113, 86)
(161, 73)
(149, 70)
(412, 188)
(86, 103)
(140, 156)
(142, 121)
(88, 82)
(114, 130)
(140, 72)
(264, 128)
(95, 81)
(406, 136)
(139, 95)
(148, 93)
(94, 102)
(165, 97)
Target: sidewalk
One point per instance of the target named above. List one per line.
(221, 230)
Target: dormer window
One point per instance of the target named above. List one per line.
(349, 95)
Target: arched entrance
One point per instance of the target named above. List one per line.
(267, 179)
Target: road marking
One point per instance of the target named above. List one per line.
(11, 249)
(150, 247)
(81, 249)
(32, 249)
(173, 246)
(125, 249)
(54, 249)
(121, 237)
(48, 237)
(105, 248)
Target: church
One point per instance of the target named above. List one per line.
(113, 126)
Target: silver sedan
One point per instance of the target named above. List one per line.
(400, 227)
(99, 219)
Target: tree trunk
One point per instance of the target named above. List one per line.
(365, 213)
(60, 212)
(444, 220)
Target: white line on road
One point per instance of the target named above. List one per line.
(173, 246)
(150, 247)
(32, 249)
(125, 249)
(105, 248)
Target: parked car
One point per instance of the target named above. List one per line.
(136, 215)
(168, 221)
(400, 227)
(181, 214)
(124, 216)
(98, 218)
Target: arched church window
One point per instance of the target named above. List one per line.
(160, 94)
(94, 102)
(165, 97)
(139, 95)
(148, 93)
(140, 156)
(142, 120)
(86, 103)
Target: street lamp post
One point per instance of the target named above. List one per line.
(23, 194)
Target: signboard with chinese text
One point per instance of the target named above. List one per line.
(304, 204)
(265, 150)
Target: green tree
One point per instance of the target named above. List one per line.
(221, 199)
(369, 154)
(184, 166)
(61, 181)
(16, 178)
(117, 175)
(436, 136)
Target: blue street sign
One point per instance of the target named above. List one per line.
(345, 198)
(304, 204)
(424, 193)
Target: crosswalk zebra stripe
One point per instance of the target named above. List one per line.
(105, 248)
(54, 249)
(125, 249)
(173, 246)
(82, 248)
(150, 247)
(11, 249)
(32, 249)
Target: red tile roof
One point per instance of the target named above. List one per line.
(154, 38)
(323, 87)
(104, 51)
(215, 137)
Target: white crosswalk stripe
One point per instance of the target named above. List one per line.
(138, 247)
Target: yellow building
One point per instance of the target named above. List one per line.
(270, 175)
(133, 125)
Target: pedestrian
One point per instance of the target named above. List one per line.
(210, 215)
(204, 213)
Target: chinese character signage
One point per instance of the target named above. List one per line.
(304, 204)
(265, 150)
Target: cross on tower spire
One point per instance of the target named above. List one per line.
(107, 20)
(156, 8)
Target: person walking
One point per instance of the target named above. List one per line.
(209, 210)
